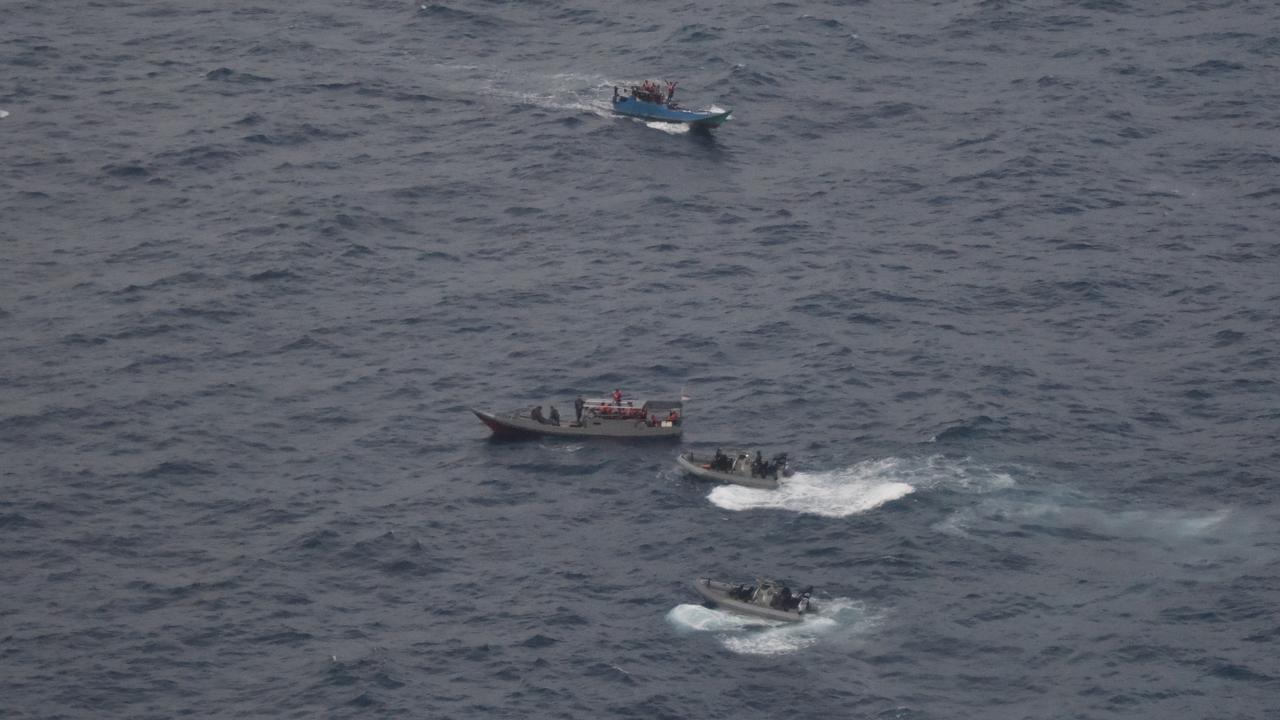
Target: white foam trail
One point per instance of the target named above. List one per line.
(1071, 512)
(778, 641)
(565, 91)
(668, 128)
(704, 619)
(1192, 525)
(862, 487)
(838, 493)
(834, 619)
(4, 114)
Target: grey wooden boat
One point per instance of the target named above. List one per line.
(601, 418)
(767, 599)
(737, 467)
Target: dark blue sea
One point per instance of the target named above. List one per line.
(1002, 276)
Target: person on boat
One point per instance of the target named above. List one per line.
(577, 408)
(802, 602)
(718, 463)
(783, 598)
(770, 468)
(555, 415)
(536, 414)
(617, 396)
(648, 92)
(757, 465)
(673, 417)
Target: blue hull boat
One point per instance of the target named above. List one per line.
(648, 102)
(662, 113)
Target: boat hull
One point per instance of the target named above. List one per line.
(699, 467)
(717, 594)
(517, 425)
(658, 112)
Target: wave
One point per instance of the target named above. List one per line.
(835, 619)
(859, 488)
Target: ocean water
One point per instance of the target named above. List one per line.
(1002, 276)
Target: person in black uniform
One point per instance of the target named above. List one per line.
(577, 408)
(555, 415)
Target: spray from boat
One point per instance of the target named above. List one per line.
(861, 487)
(838, 620)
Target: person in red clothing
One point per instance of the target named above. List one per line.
(617, 396)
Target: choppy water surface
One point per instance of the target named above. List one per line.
(1000, 276)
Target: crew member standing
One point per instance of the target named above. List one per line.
(577, 408)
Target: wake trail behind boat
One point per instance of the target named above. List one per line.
(836, 618)
(857, 489)
(839, 493)
(563, 91)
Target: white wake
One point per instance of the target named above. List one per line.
(835, 619)
(861, 487)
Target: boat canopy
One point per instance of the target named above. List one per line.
(634, 409)
(657, 406)
(646, 405)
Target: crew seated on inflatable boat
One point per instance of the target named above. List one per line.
(770, 593)
(721, 462)
(742, 592)
(784, 600)
(770, 468)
